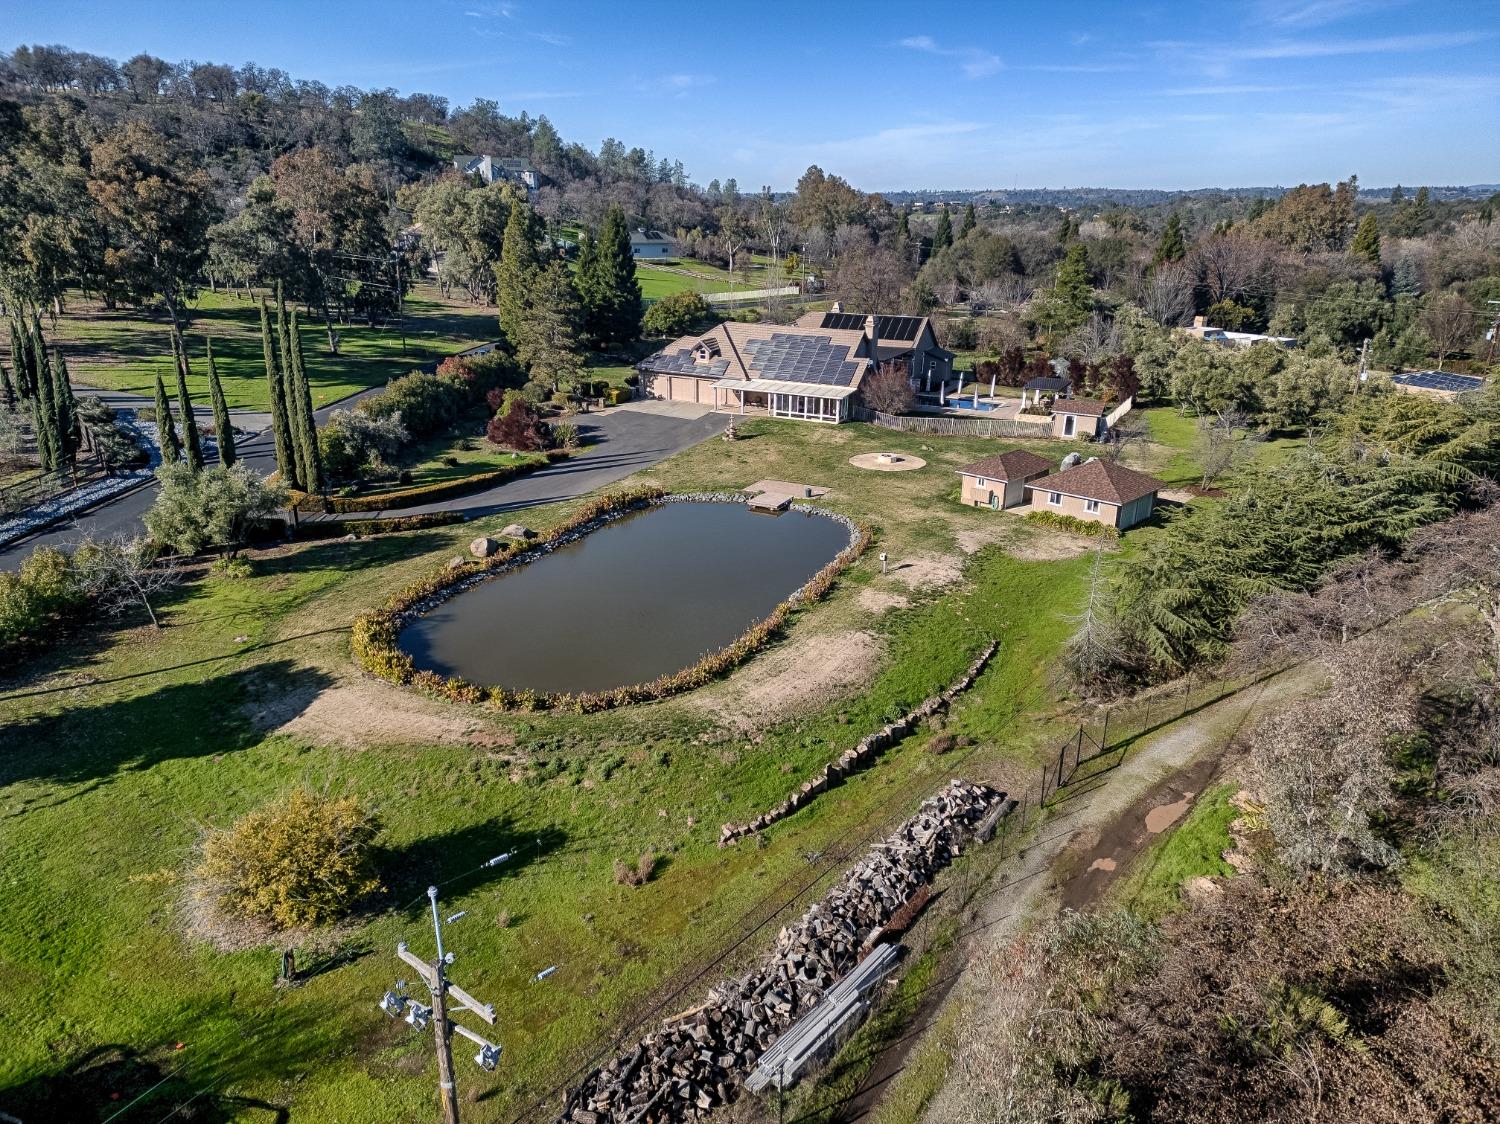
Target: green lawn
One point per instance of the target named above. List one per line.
(1175, 461)
(1194, 847)
(125, 350)
(115, 752)
(428, 462)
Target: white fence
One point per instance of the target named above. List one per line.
(1119, 411)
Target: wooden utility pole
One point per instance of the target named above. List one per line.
(435, 976)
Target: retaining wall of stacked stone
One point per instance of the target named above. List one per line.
(852, 760)
(697, 1061)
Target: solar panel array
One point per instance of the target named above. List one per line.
(815, 359)
(843, 321)
(682, 363)
(898, 327)
(1441, 380)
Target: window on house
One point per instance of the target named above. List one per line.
(1054, 498)
(982, 482)
(1091, 506)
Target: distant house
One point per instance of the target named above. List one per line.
(1437, 384)
(1000, 481)
(1203, 330)
(810, 370)
(501, 169)
(652, 244)
(1099, 491)
(1079, 417)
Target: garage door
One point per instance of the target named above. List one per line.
(683, 389)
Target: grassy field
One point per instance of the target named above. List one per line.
(115, 753)
(125, 350)
(1175, 461)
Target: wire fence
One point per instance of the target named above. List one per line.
(44, 486)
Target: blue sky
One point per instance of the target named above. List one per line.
(901, 95)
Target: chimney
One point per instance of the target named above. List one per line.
(1200, 321)
(870, 333)
(838, 306)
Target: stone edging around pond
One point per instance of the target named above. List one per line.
(852, 760)
(375, 633)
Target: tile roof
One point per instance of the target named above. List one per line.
(1100, 480)
(1017, 464)
(1089, 406)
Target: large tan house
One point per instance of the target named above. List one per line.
(1099, 491)
(1000, 481)
(810, 370)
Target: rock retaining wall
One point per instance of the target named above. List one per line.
(697, 1061)
(852, 760)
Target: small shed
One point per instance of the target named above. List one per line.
(1079, 417)
(1000, 481)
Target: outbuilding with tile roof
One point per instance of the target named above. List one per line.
(1000, 481)
(1099, 491)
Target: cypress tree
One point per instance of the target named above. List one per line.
(65, 408)
(166, 435)
(222, 427)
(191, 445)
(971, 220)
(1172, 247)
(942, 237)
(296, 451)
(20, 359)
(44, 420)
(312, 465)
(517, 269)
(609, 292)
(286, 465)
(1366, 242)
(903, 226)
(36, 352)
(7, 388)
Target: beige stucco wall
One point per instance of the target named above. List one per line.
(1085, 425)
(1136, 511)
(1010, 492)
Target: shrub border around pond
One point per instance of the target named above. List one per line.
(424, 493)
(375, 633)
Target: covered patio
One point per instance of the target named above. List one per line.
(804, 401)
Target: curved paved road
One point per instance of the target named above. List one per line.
(621, 441)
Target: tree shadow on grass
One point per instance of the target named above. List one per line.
(453, 860)
(180, 720)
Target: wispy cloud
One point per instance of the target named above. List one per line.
(1228, 90)
(973, 61)
(1324, 48)
(679, 85)
(551, 38)
(1315, 13)
(1079, 67)
(500, 10)
(541, 95)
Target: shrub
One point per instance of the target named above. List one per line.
(638, 875)
(33, 599)
(888, 389)
(353, 442)
(426, 493)
(676, 315)
(1059, 522)
(565, 435)
(425, 403)
(218, 506)
(517, 425)
(303, 860)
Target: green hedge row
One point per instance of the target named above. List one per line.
(374, 633)
(426, 493)
(1059, 522)
(333, 528)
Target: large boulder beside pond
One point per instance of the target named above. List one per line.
(483, 547)
(517, 531)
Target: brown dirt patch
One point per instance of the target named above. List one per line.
(878, 601)
(1047, 546)
(1163, 816)
(362, 712)
(797, 677)
(928, 571)
(901, 462)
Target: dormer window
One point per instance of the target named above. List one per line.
(706, 350)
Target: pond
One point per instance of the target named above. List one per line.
(639, 598)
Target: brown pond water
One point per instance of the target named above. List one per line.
(636, 599)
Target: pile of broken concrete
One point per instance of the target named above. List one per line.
(696, 1062)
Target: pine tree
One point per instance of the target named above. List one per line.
(296, 451)
(65, 409)
(903, 227)
(222, 427)
(44, 420)
(171, 452)
(1366, 242)
(519, 262)
(1397, 194)
(307, 435)
(280, 425)
(1172, 247)
(548, 346)
(609, 293)
(942, 237)
(192, 446)
(1406, 281)
(971, 221)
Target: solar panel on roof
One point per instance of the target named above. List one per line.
(1440, 380)
(898, 327)
(843, 321)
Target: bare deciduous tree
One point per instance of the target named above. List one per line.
(1220, 444)
(1449, 322)
(118, 573)
(1167, 295)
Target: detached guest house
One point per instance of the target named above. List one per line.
(1099, 491)
(1000, 481)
